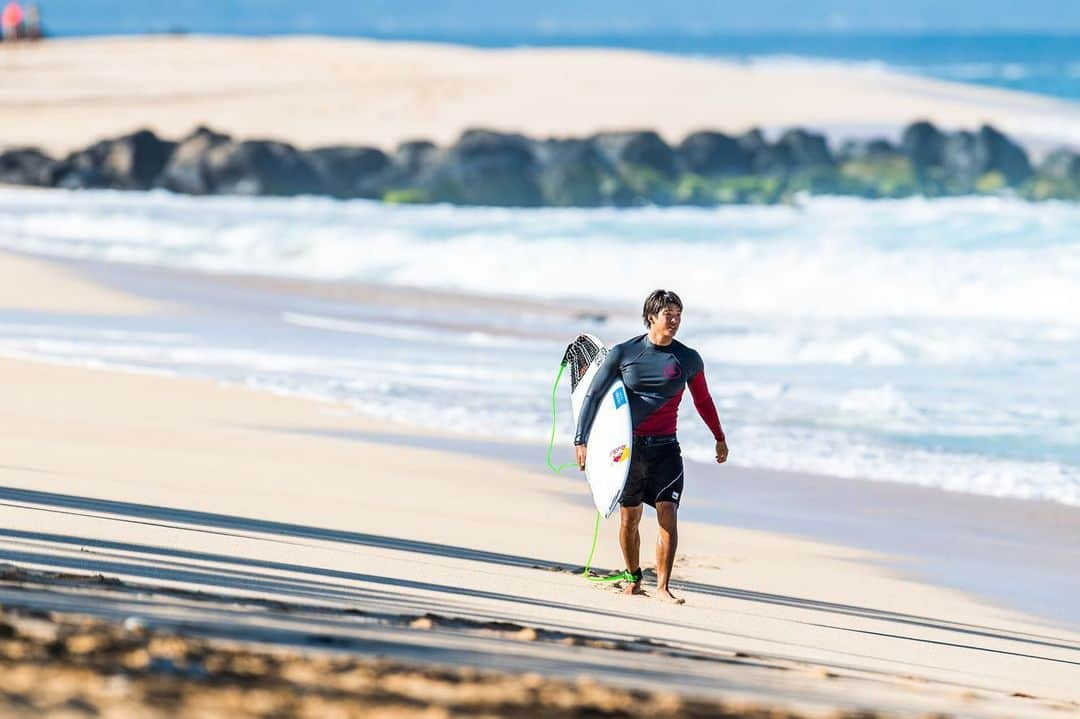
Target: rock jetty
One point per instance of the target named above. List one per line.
(619, 169)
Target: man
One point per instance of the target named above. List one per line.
(32, 21)
(656, 369)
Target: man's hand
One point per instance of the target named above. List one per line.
(580, 449)
(721, 451)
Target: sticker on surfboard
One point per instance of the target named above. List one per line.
(607, 459)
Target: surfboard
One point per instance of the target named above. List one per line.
(607, 460)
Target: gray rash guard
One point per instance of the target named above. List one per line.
(655, 377)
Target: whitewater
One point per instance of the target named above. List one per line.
(931, 342)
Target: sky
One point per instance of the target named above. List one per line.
(559, 17)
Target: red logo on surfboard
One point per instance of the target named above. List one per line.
(620, 453)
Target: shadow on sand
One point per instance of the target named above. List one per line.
(319, 583)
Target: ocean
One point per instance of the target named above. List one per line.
(932, 342)
(1046, 63)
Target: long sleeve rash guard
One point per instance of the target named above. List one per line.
(655, 377)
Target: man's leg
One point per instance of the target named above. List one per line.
(667, 541)
(630, 541)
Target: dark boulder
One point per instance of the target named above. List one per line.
(260, 167)
(82, 170)
(1062, 165)
(753, 141)
(576, 174)
(130, 162)
(413, 164)
(416, 155)
(769, 160)
(186, 170)
(967, 156)
(26, 166)
(350, 171)
(805, 150)
(923, 144)
(960, 159)
(795, 150)
(635, 150)
(486, 168)
(876, 150)
(994, 152)
(713, 154)
(133, 162)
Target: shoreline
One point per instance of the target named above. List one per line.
(798, 504)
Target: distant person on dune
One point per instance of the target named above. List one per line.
(33, 22)
(11, 20)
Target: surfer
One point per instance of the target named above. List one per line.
(656, 369)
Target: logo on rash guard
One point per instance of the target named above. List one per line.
(673, 370)
(620, 453)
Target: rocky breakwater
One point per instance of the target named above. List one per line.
(618, 169)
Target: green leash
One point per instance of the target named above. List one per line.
(551, 442)
(621, 576)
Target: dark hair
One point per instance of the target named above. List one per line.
(657, 301)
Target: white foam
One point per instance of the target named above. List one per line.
(933, 342)
(830, 258)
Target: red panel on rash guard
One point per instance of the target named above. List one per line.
(699, 390)
(662, 421)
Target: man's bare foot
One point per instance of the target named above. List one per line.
(633, 588)
(666, 596)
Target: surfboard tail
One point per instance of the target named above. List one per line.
(580, 354)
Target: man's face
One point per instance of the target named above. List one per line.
(667, 321)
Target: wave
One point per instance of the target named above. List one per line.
(828, 259)
(923, 341)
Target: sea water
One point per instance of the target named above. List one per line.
(934, 342)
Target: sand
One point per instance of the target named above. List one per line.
(29, 285)
(63, 94)
(300, 530)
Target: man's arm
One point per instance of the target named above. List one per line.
(607, 373)
(699, 388)
(703, 402)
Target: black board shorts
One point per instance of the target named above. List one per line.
(656, 472)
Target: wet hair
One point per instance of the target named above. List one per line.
(657, 301)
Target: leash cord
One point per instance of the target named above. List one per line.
(621, 576)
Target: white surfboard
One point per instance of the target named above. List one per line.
(607, 461)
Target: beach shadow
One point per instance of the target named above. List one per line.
(319, 628)
(202, 522)
(876, 614)
(178, 565)
(231, 525)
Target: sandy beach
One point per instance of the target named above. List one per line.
(305, 529)
(63, 94)
(213, 503)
